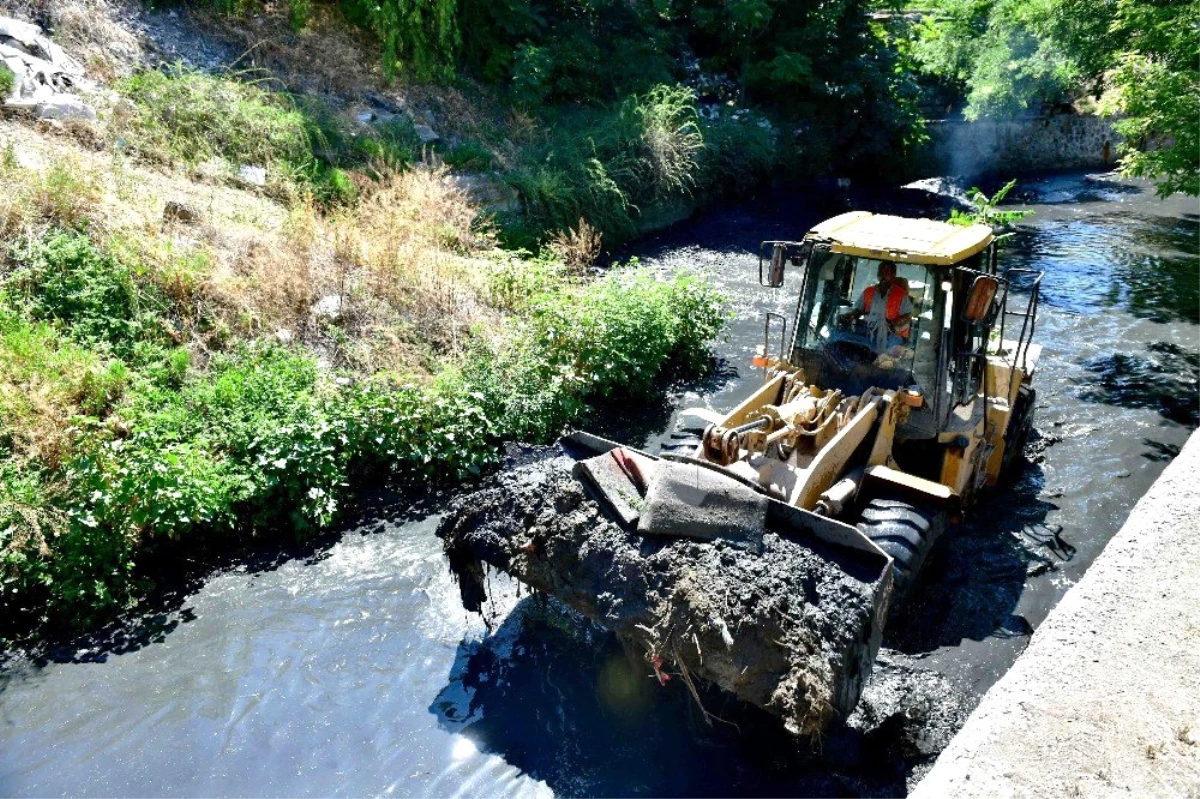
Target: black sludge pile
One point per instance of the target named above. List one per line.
(786, 629)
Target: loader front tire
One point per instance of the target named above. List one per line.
(907, 533)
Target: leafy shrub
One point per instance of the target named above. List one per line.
(613, 337)
(93, 295)
(986, 210)
(28, 525)
(421, 36)
(45, 382)
(8, 79)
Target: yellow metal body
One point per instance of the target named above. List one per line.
(923, 241)
(974, 438)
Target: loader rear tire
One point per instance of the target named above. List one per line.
(907, 533)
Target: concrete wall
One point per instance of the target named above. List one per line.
(1105, 701)
(1064, 141)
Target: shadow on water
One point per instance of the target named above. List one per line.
(175, 577)
(978, 571)
(560, 699)
(1166, 379)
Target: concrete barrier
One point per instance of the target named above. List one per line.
(1106, 698)
(1062, 141)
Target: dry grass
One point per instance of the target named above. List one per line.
(578, 247)
(412, 255)
(63, 195)
(326, 56)
(409, 265)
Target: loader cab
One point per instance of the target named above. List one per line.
(939, 266)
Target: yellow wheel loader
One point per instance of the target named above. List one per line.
(893, 434)
(767, 555)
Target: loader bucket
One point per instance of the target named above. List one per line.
(788, 617)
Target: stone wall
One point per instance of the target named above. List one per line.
(1065, 141)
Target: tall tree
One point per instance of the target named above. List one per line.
(1157, 92)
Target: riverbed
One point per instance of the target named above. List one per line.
(354, 670)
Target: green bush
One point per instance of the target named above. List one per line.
(420, 36)
(739, 154)
(90, 293)
(612, 167)
(260, 442)
(190, 117)
(616, 336)
(8, 79)
(28, 526)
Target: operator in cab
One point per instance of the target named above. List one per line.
(887, 307)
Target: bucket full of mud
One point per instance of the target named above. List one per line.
(706, 578)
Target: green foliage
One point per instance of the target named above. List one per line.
(609, 167)
(739, 154)
(670, 138)
(420, 36)
(469, 155)
(1157, 84)
(181, 116)
(28, 523)
(1007, 56)
(986, 210)
(190, 117)
(156, 455)
(1011, 55)
(8, 79)
(614, 337)
(88, 292)
(555, 51)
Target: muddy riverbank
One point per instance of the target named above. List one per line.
(355, 669)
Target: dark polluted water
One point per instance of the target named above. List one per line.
(355, 671)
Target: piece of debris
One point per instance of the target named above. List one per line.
(328, 308)
(254, 175)
(792, 629)
(427, 135)
(176, 211)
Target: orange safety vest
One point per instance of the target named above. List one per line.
(895, 296)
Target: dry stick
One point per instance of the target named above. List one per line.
(687, 680)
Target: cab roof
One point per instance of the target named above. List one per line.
(897, 238)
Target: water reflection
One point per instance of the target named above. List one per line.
(1148, 266)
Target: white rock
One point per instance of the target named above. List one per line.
(365, 116)
(329, 307)
(283, 335)
(254, 175)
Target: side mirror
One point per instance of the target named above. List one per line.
(781, 252)
(978, 308)
(778, 263)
